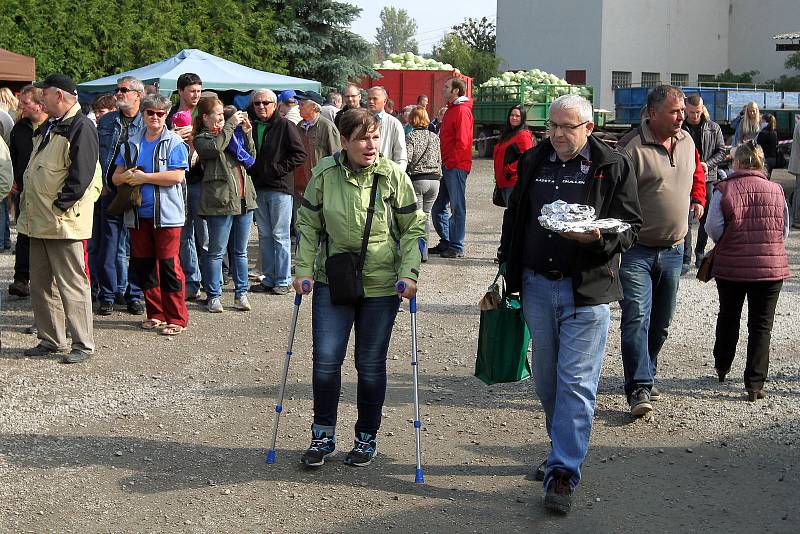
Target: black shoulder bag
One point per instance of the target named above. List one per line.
(344, 270)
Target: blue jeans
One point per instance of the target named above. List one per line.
(221, 228)
(274, 217)
(373, 319)
(449, 212)
(568, 347)
(194, 241)
(112, 258)
(649, 278)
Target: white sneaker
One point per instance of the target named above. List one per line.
(215, 305)
(242, 303)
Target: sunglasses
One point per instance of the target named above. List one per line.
(263, 102)
(154, 113)
(123, 90)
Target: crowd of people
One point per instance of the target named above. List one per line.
(169, 194)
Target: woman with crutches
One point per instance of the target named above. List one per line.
(358, 231)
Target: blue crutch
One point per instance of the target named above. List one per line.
(279, 405)
(412, 306)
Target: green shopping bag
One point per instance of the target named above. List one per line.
(503, 340)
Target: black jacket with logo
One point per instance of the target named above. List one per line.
(277, 156)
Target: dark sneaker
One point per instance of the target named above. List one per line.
(364, 450)
(19, 289)
(191, 295)
(76, 356)
(39, 350)
(540, 471)
(755, 394)
(119, 299)
(105, 308)
(438, 249)
(136, 307)
(321, 446)
(640, 402)
(451, 253)
(558, 497)
(259, 288)
(655, 393)
(280, 290)
(32, 329)
(721, 374)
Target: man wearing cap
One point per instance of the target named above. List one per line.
(62, 182)
(288, 106)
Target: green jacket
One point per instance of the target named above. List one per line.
(336, 202)
(221, 186)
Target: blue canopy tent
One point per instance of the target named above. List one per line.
(217, 74)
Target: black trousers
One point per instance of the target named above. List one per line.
(22, 260)
(762, 297)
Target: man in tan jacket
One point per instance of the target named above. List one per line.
(62, 182)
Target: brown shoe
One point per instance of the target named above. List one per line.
(755, 394)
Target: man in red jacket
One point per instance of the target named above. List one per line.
(449, 212)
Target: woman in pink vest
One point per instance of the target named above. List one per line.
(749, 221)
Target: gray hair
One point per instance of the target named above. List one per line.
(379, 88)
(658, 95)
(135, 83)
(565, 102)
(317, 107)
(156, 102)
(270, 94)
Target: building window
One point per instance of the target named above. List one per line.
(651, 79)
(705, 78)
(620, 79)
(679, 79)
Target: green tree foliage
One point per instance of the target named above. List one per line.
(89, 39)
(793, 61)
(396, 33)
(315, 41)
(731, 77)
(479, 64)
(480, 35)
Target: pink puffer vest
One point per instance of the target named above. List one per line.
(752, 247)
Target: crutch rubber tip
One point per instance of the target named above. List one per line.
(419, 479)
(417, 424)
(271, 456)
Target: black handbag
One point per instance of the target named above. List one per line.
(345, 269)
(497, 198)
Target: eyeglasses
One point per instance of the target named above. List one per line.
(123, 90)
(154, 113)
(263, 102)
(552, 126)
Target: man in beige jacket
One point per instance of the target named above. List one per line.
(62, 182)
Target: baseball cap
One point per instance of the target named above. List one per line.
(287, 95)
(310, 95)
(59, 81)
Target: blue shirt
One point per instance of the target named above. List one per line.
(177, 159)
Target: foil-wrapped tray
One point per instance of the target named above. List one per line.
(559, 216)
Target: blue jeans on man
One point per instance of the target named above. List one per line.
(569, 343)
(449, 212)
(194, 242)
(112, 258)
(274, 219)
(221, 230)
(649, 278)
(373, 319)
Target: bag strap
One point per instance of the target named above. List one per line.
(373, 193)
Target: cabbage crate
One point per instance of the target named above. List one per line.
(491, 105)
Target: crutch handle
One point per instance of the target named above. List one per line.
(400, 286)
(306, 287)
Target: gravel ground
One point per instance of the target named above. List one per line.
(159, 434)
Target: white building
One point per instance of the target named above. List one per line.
(608, 42)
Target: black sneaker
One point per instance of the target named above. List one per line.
(321, 446)
(19, 289)
(640, 402)
(438, 249)
(105, 308)
(119, 299)
(655, 393)
(136, 307)
(364, 449)
(451, 253)
(39, 350)
(75, 356)
(259, 288)
(280, 290)
(558, 497)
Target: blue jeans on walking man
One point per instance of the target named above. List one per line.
(568, 347)
(274, 219)
(649, 278)
(194, 242)
(449, 212)
(373, 319)
(221, 230)
(112, 258)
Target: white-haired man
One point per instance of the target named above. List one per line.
(567, 280)
(393, 138)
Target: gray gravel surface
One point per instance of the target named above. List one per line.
(158, 434)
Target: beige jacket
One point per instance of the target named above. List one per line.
(6, 170)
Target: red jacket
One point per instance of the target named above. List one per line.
(506, 157)
(456, 135)
(698, 194)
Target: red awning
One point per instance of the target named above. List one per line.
(16, 67)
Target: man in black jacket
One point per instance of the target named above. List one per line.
(352, 100)
(567, 279)
(279, 150)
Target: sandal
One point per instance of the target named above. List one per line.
(172, 330)
(152, 324)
